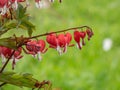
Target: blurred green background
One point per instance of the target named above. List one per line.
(91, 68)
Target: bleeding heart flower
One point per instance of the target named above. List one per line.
(59, 42)
(52, 40)
(31, 47)
(36, 48)
(5, 53)
(89, 33)
(77, 38)
(82, 35)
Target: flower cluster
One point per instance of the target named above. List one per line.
(80, 35)
(6, 4)
(59, 42)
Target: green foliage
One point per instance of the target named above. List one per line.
(17, 19)
(23, 20)
(8, 42)
(21, 80)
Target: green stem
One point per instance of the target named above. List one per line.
(2, 84)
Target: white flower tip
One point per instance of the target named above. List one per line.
(39, 56)
(59, 50)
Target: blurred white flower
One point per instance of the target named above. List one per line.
(42, 4)
(107, 44)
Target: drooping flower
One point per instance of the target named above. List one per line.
(82, 35)
(64, 40)
(38, 3)
(59, 42)
(77, 38)
(89, 33)
(52, 40)
(6, 53)
(36, 48)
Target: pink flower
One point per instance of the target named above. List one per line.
(59, 42)
(36, 48)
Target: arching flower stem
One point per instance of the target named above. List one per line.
(69, 29)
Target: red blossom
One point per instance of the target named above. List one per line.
(3, 3)
(59, 42)
(89, 33)
(77, 38)
(36, 47)
(5, 53)
(82, 35)
(52, 40)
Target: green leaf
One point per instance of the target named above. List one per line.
(20, 12)
(20, 80)
(23, 20)
(29, 26)
(10, 24)
(23, 80)
(8, 42)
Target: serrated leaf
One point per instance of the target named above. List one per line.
(18, 79)
(23, 80)
(8, 42)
